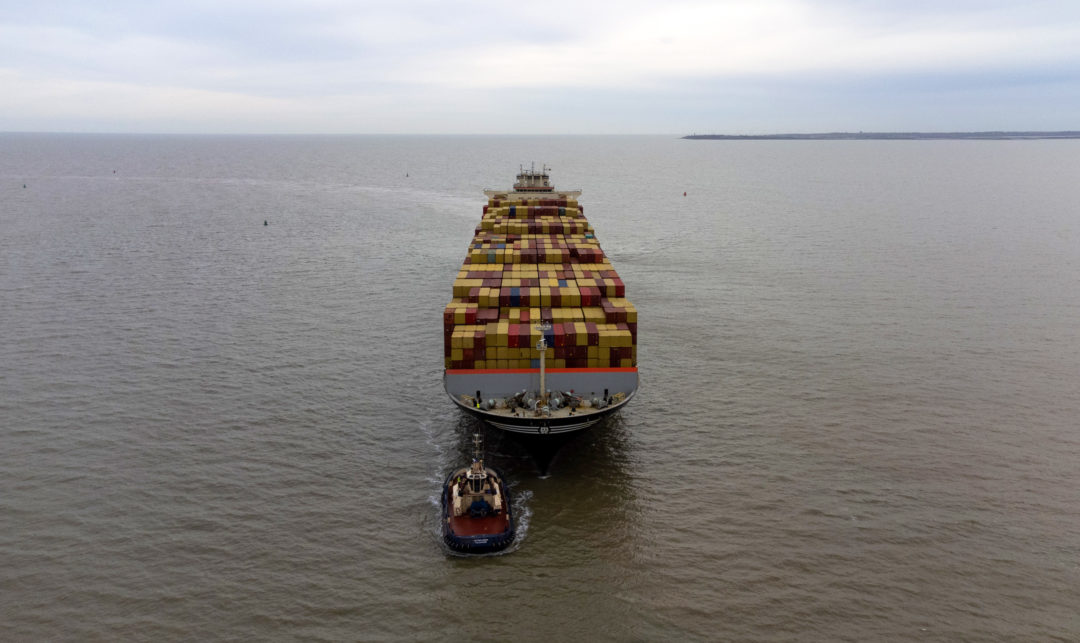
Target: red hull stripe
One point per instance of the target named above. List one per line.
(502, 371)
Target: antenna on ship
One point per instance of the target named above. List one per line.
(544, 326)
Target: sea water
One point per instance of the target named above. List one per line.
(221, 412)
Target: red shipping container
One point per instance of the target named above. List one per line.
(560, 335)
(594, 334)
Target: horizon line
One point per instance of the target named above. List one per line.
(778, 135)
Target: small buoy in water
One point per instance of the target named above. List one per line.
(406, 175)
(24, 186)
(684, 193)
(266, 222)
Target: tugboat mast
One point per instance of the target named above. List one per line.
(478, 447)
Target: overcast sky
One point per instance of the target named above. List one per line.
(556, 67)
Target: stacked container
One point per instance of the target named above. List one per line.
(534, 258)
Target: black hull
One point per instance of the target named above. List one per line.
(479, 544)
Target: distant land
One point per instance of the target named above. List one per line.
(885, 136)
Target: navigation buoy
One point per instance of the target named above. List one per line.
(266, 222)
(684, 193)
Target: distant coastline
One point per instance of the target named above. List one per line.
(885, 136)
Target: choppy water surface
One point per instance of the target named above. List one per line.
(858, 415)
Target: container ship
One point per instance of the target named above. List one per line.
(539, 338)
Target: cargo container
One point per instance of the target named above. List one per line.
(539, 337)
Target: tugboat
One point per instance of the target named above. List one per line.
(476, 510)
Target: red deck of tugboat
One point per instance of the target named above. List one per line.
(466, 526)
